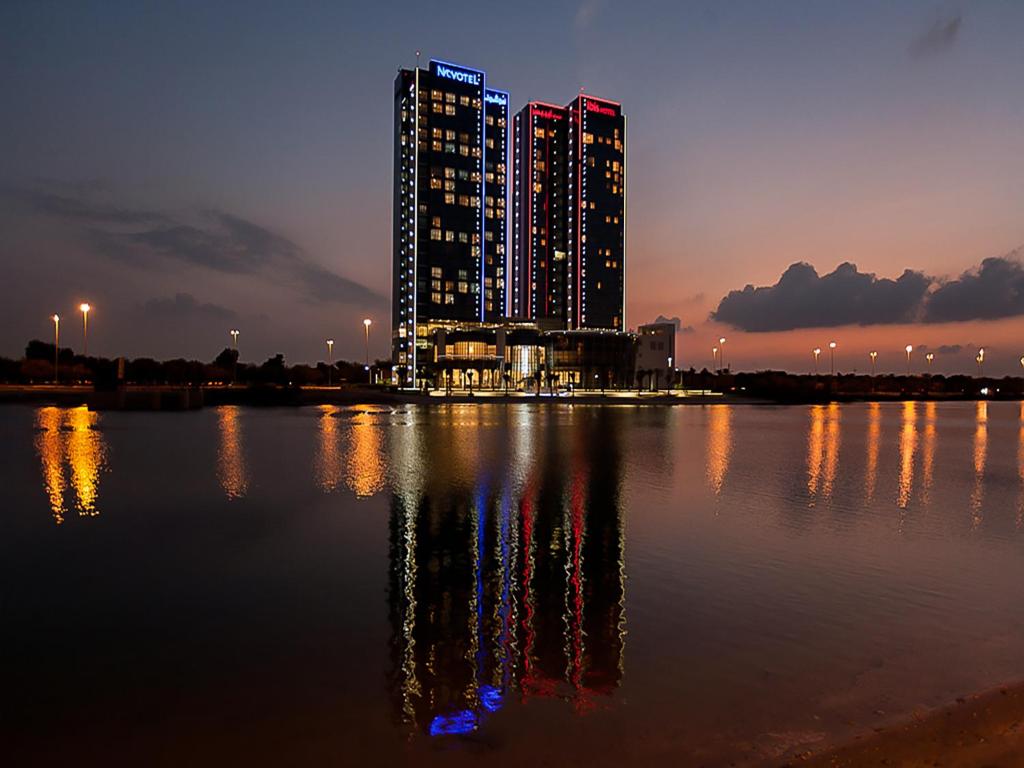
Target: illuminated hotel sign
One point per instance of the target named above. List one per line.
(593, 106)
(496, 98)
(451, 72)
(547, 114)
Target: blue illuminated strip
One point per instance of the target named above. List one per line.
(464, 721)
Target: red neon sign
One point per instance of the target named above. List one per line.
(547, 114)
(593, 106)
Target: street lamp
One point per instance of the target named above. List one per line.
(56, 345)
(909, 349)
(929, 357)
(84, 307)
(817, 354)
(330, 359)
(981, 361)
(832, 353)
(366, 328)
(721, 357)
(714, 358)
(234, 346)
(874, 356)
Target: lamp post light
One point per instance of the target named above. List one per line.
(1022, 362)
(832, 353)
(929, 357)
(909, 348)
(981, 361)
(234, 346)
(721, 354)
(714, 359)
(817, 354)
(366, 329)
(874, 357)
(84, 307)
(56, 345)
(330, 359)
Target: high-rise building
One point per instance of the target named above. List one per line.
(569, 215)
(597, 213)
(450, 202)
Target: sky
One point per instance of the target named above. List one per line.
(192, 167)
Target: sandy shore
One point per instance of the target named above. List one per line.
(981, 731)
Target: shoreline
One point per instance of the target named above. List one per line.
(177, 398)
(983, 729)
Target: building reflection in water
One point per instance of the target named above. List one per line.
(231, 468)
(874, 436)
(71, 449)
(822, 450)
(719, 450)
(366, 470)
(908, 449)
(327, 464)
(1020, 467)
(980, 455)
(507, 583)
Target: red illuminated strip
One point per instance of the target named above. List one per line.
(579, 222)
(529, 229)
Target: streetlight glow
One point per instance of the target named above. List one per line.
(84, 307)
(366, 328)
(909, 348)
(721, 354)
(817, 353)
(330, 359)
(874, 357)
(832, 352)
(56, 345)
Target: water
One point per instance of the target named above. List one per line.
(442, 585)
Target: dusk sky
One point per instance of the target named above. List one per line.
(189, 167)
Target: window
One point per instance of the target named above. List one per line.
(449, 298)
(449, 236)
(435, 297)
(435, 234)
(449, 109)
(435, 271)
(588, 138)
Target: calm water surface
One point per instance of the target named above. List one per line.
(451, 584)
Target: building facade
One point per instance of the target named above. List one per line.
(450, 231)
(656, 355)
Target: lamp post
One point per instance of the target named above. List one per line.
(330, 359)
(714, 359)
(84, 307)
(817, 354)
(234, 346)
(874, 356)
(366, 329)
(721, 354)
(832, 353)
(909, 348)
(981, 361)
(56, 345)
(929, 357)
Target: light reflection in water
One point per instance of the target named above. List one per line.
(367, 467)
(719, 449)
(874, 434)
(908, 448)
(327, 464)
(508, 586)
(928, 452)
(69, 437)
(1020, 468)
(231, 468)
(823, 450)
(980, 456)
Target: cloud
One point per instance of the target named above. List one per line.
(937, 39)
(680, 328)
(994, 290)
(183, 306)
(949, 349)
(212, 239)
(802, 299)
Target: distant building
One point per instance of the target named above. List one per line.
(450, 201)
(656, 353)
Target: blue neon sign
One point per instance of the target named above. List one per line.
(495, 98)
(457, 74)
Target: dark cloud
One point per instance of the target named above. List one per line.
(680, 328)
(937, 39)
(995, 290)
(949, 349)
(212, 239)
(184, 306)
(802, 299)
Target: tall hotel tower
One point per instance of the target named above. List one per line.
(569, 214)
(450, 201)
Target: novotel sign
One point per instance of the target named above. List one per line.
(495, 98)
(458, 75)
